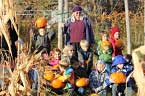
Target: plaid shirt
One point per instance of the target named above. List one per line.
(97, 79)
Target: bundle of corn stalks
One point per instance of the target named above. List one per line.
(18, 83)
(7, 12)
(139, 63)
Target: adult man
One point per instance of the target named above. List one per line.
(77, 28)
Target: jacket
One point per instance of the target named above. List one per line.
(107, 56)
(99, 80)
(86, 58)
(88, 28)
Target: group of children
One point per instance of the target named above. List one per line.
(73, 63)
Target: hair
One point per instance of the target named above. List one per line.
(101, 62)
(128, 56)
(66, 49)
(64, 62)
(84, 43)
(51, 54)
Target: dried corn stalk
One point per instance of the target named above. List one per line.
(7, 13)
(138, 61)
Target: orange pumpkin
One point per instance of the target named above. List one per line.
(81, 82)
(86, 62)
(94, 94)
(119, 43)
(118, 77)
(105, 44)
(55, 66)
(56, 83)
(41, 22)
(49, 75)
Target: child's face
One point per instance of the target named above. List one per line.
(76, 65)
(45, 56)
(57, 55)
(104, 37)
(120, 66)
(71, 52)
(85, 47)
(42, 31)
(116, 35)
(100, 67)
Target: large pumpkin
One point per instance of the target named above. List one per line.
(118, 77)
(105, 44)
(81, 82)
(119, 43)
(49, 75)
(56, 83)
(41, 22)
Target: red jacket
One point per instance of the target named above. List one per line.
(116, 50)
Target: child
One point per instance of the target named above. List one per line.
(131, 81)
(65, 75)
(85, 56)
(105, 51)
(119, 65)
(55, 57)
(68, 51)
(79, 73)
(99, 79)
(41, 41)
(117, 43)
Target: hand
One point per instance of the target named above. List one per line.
(62, 25)
(104, 51)
(111, 80)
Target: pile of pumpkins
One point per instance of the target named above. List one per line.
(57, 81)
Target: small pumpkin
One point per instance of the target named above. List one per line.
(62, 78)
(105, 44)
(94, 94)
(118, 77)
(41, 22)
(86, 62)
(81, 82)
(56, 83)
(119, 43)
(49, 75)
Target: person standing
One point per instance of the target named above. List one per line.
(116, 41)
(77, 28)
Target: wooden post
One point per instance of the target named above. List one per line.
(127, 27)
(60, 34)
(144, 22)
(66, 9)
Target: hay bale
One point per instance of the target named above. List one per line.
(139, 76)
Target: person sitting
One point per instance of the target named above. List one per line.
(99, 79)
(85, 56)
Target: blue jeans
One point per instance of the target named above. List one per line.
(103, 93)
(34, 76)
(129, 91)
(118, 88)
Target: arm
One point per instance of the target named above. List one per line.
(80, 57)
